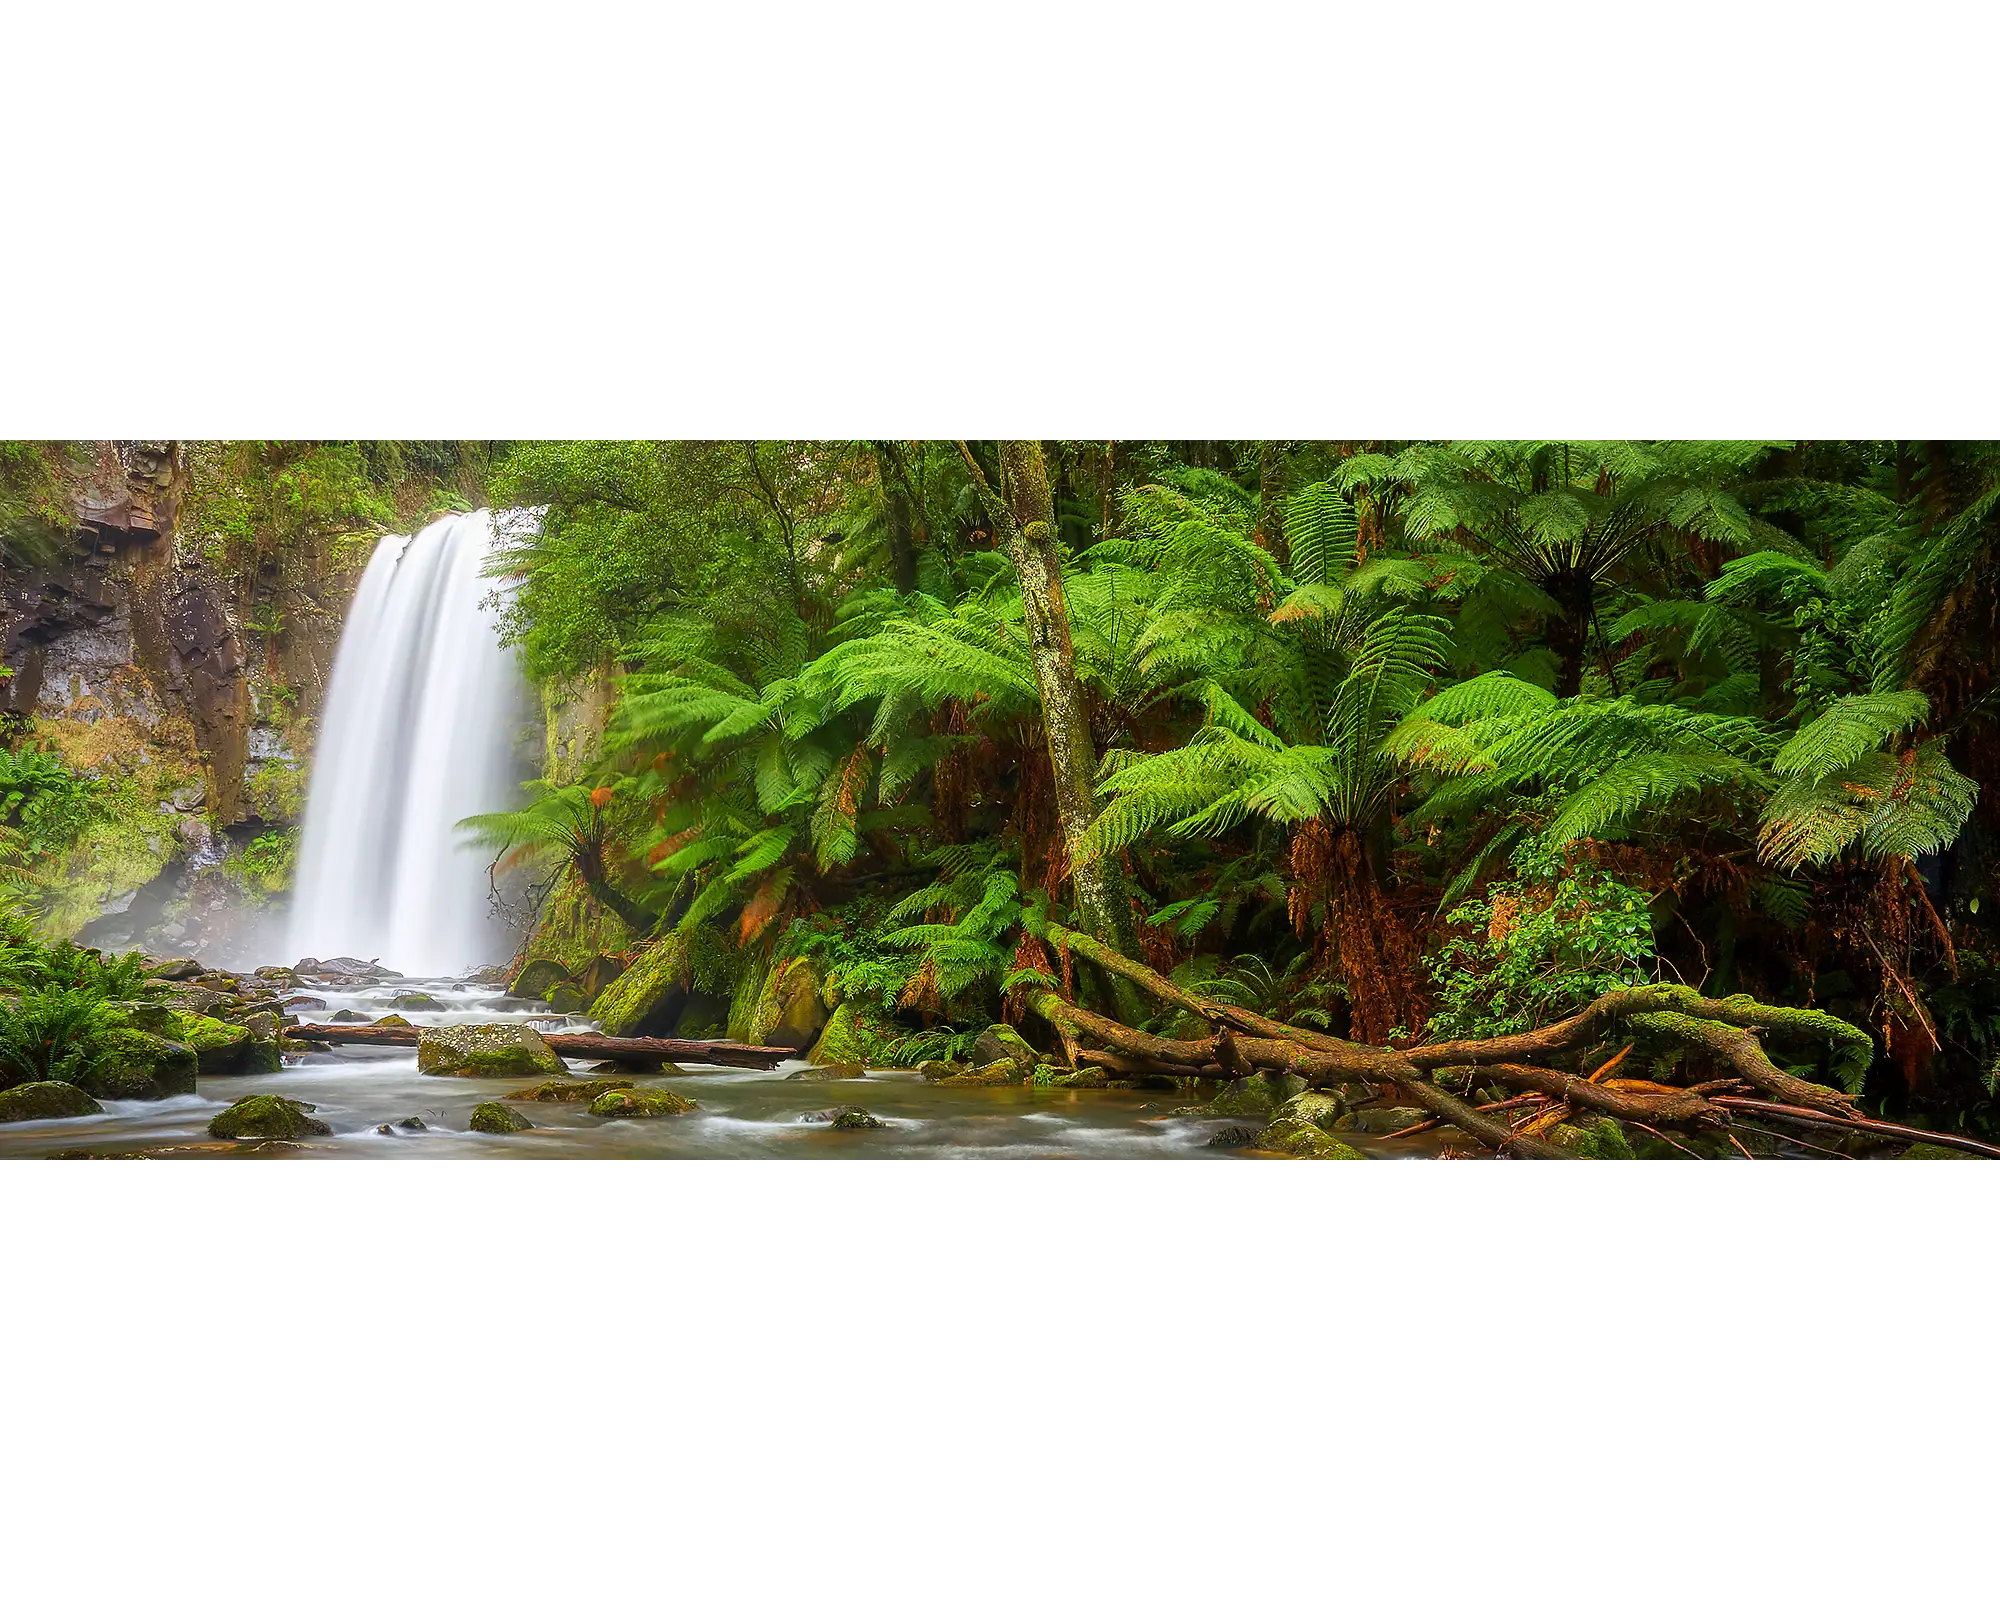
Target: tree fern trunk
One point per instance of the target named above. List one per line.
(1028, 527)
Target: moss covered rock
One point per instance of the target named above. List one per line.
(1593, 1138)
(646, 999)
(940, 1071)
(486, 1050)
(705, 1016)
(566, 997)
(267, 1116)
(1302, 1139)
(417, 1002)
(852, 1038)
(490, 1116)
(135, 1065)
(599, 973)
(571, 1089)
(345, 1015)
(1316, 1108)
(391, 1020)
(856, 1118)
(791, 1009)
(187, 997)
(535, 979)
(837, 1073)
(1084, 1078)
(1002, 1043)
(624, 1103)
(999, 1073)
(39, 1102)
(219, 1046)
(1231, 1134)
(1383, 1119)
(1259, 1095)
(1915, 1152)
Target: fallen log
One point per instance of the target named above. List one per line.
(1894, 1131)
(570, 1046)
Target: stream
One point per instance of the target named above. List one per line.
(743, 1114)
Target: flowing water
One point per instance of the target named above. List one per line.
(422, 716)
(742, 1113)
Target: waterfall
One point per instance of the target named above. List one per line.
(418, 730)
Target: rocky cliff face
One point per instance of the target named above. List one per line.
(170, 682)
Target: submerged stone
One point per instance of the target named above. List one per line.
(830, 1114)
(485, 1050)
(40, 1102)
(576, 1089)
(1231, 1134)
(267, 1116)
(623, 1103)
(1301, 1139)
(843, 1072)
(490, 1116)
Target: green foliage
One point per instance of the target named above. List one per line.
(1548, 941)
(45, 799)
(53, 1032)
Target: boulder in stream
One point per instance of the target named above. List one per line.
(135, 1065)
(39, 1102)
(490, 1116)
(415, 1001)
(571, 1089)
(790, 1010)
(624, 1103)
(267, 1116)
(855, 1118)
(486, 1050)
(536, 979)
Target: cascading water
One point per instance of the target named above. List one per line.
(418, 731)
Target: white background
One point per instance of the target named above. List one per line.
(421, 220)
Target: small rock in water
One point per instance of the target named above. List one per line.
(266, 1116)
(622, 1103)
(490, 1116)
(417, 1002)
(413, 1124)
(1234, 1134)
(391, 1020)
(344, 1015)
(38, 1102)
(829, 1115)
(383, 1127)
(857, 1118)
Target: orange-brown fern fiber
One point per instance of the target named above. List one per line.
(1362, 933)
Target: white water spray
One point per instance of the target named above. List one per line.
(418, 731)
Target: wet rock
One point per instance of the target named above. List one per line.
(536, 979)
(599, 974)
(219, 1046)
(624, 1103)
(940, 1071)
(39, 1102)
(411, 1124)
(173, 968)
(1002, 1043)
(344, 1015)
(830, 1114)
(575, 1089)
(1000, 1073)
(278, 974)
(566, 997)
(389, 1020)
(1595, 1138)
(267, 1116)
(261, 1025)
(857, 1119)
(1314, 1106)
(646, 999)
(490, 1116)
(187, 997)
(135, 1065)
(350, 968)
(705, 1016)
(417, 1002)
(1301, 1139)
(1233, 1134)
(791, 1010)
(486, 1050)
(1084, 1078)
(841, 1072)
(853, 1038)
(383, 1127)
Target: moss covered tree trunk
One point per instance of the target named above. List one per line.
(1024, 513)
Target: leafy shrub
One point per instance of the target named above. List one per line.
(44, 798)
(53, 1033)
(1550, 940)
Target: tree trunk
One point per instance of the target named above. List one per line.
(1024, 513)
(1569, 633)
(896, 504)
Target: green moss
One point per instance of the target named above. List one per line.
(38, 1102)
(1291, 1138)
(852, 1038)
(134, 1065)
(837, 1073)
(490, 1116)
(790, 1009)
(220, 1046)
(566, 997)
(1259, 1095)
(999, 1073)
(1084, 1078)
(536, 978)
(744, 1000)
(126, 846)
(1593, 1138)
(646, 994)
(1315, 1108)
(623, 1103)
(415, 1001)
(574, 927)
(577, 1089)
(267, 1116)
(940, 1071)
(856, 1120)
(1936, 1152)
